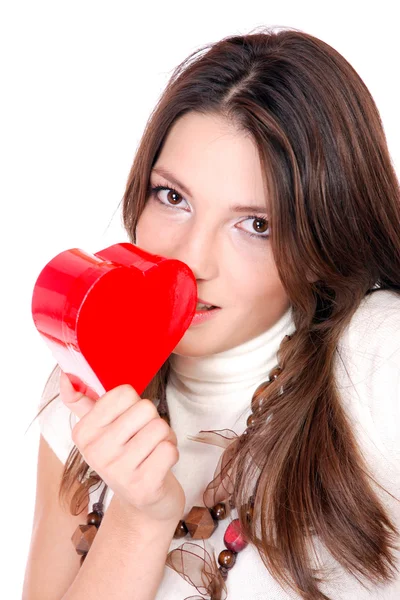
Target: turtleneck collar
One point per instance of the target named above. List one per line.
(201, 378)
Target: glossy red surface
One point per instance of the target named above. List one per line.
(113, 317)
(233, 538)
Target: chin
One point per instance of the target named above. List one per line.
(193, 348)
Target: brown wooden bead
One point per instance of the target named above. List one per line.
(248, 511)
(227, 559)
(181, 530)
(276, 371)
(200, 523)
(219, 511)
(83, 538)
(256, 403)
(257, 399)
(262, 387)
(94, 518)
(251, 419)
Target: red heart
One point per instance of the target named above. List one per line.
(113, 317)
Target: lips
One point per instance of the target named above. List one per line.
(201, 307)
(205, 302)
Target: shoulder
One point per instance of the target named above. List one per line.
(368, 369)
(373, 334)
(378, 311)
(56, 421)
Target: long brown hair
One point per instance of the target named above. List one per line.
(335, 237)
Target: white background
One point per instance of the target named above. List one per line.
(78, 82)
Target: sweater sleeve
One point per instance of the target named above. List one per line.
(56, 421)
(369, 372)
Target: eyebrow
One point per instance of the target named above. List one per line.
(233, 208)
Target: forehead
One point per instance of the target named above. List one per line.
(209, 157)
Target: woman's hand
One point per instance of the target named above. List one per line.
(123, 438)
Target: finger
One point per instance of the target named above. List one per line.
(163, 458)
(109, 443)
(137, 449)
(77, 402)
(111, 405)
(122, 429)
(155, 468)
(128, 424)
(108, 447)
(150, 435)
(172, 437)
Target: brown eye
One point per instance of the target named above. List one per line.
(260, 225)
(170, 200)
(174, 196)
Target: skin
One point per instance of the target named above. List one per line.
(220, 166)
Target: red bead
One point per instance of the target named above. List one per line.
(233, 538)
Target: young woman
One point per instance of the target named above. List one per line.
(263, 460)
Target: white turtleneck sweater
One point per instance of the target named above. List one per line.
(215, 391)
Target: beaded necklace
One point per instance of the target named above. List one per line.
(201, 521)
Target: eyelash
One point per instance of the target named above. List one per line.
(154, 190)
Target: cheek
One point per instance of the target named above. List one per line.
(157, 231)
(258, 290)
(146, 231)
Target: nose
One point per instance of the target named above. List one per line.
(198, 249)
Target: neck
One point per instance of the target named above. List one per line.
(216, 377)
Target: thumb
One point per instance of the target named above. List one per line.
(76, 401)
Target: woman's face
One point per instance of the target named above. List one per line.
(219, 168)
